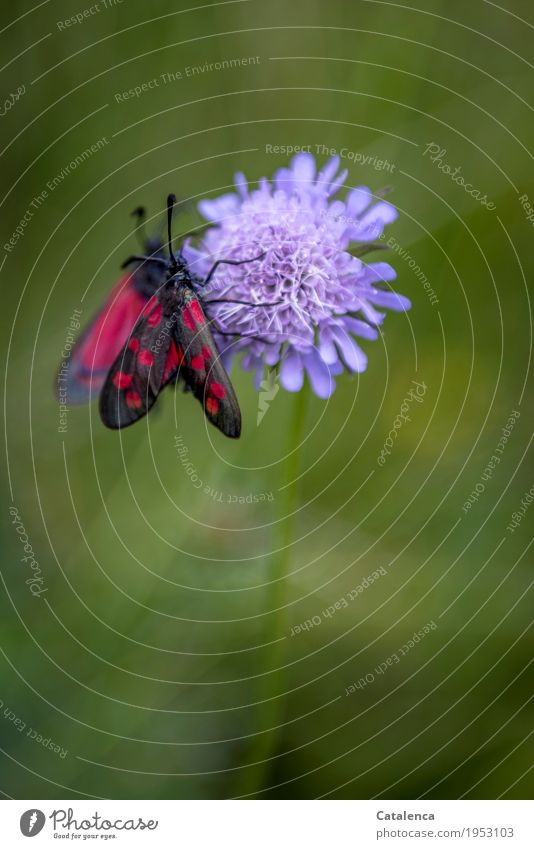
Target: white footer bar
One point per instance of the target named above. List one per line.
(274, 824)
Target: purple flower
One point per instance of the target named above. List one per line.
(320, 296)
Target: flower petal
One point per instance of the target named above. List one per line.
(391, 300)
(303, 168)
(227, 358)
(283, 179)
(241, 184)
(272, 355)
(382, 211)
(327, 348)
(378, 272)
(370, 313)
(195, 258)
(359, 327)
(358, 200)
(352, 354)
(336, 184)
(336, 209)
(327, 172)
(371, 226)
(291, 373)
(220, 208)
(319, 374)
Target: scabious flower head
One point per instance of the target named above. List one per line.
(320, 296)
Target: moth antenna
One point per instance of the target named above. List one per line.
(140, 213)
(171, 200)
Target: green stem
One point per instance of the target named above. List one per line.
(263, 746)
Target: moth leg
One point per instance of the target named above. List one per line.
(218, 262)
(247, 303)
(243, 336)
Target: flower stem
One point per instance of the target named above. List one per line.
(263, 746)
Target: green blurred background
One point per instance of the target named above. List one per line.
(150, 660)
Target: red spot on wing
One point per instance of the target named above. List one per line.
(197, 312)
(145, 358)
(133, 344)
(206, 352)
(155, 316)
(198, 363)
(188, 319)
(150, 305)
(212, 406)
(218, 390)
(122, 380)
(133, 399)
(172, 361)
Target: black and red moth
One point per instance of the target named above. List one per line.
(171, 341)
(82, 376)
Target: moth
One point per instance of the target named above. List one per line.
(95, 351)
(171, 341)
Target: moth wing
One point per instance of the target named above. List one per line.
(200, 366)
(145, 365)
(83, 373)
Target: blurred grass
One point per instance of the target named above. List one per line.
(146, 655)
